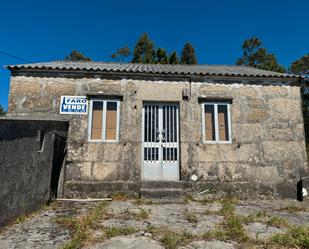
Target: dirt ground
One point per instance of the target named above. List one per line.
(152, 224)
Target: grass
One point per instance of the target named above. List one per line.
(203, 199)
(217, 234)
(188, 198)
(262, 216)
(234, 228)
(230, 229)
(142, 201)
(228, 207)
(120, 196)
(116, 231)
(294, 209)
(191, 217)
(81, 227)
(210, 212)
(259, 216)
(207, 200)
(21, 219)
(294, 237)
(277, 221)
(143, 214)
(173, 240)
(152, 229)
(68, 222)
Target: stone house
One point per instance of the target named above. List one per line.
(222, 128)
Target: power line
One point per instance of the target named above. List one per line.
(16, 57)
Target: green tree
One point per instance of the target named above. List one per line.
(188, 54)
(301, 66)
(2, 111)
(161, 56)
(250, 50)
(254, 55)
(76, 56)
(144, 50)
(173, 58)
(268, 62)
(122, 54)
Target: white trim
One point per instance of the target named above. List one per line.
(89, 120)
(215, 105)
(160, 119)
(229, 122)
(216, 123)
(151, 142)
(143, 134)
(104, 102)
(203, 122)
(118, 121)
(178, 142)
(104, 121)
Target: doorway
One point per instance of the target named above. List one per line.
(160, 149)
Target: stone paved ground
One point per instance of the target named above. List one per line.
(157, 224)
(40, 230)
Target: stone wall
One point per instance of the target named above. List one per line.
(25, 165)
(268, 146)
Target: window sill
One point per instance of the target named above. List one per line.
(217, 142)
(105, 142)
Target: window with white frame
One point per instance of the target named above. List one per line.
(103, 124)
(216, 122)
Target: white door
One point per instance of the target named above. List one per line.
(160, 152)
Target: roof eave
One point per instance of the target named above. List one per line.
(173, 75)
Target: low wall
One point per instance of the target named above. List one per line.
(26, 158)
(241, 190)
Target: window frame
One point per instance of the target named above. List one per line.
(104, 101)
(215, 105)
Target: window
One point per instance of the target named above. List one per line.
(216, 122)
(103, 124)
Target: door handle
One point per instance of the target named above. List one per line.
(160, 136)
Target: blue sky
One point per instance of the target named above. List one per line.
(45, 30)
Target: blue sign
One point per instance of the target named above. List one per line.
(73, 105)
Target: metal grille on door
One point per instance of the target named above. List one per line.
(160, 142)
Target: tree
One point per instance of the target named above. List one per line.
(254, 55)
(76, 56)
(144, 50)
(173, 58)
(301, 66)
(250, 49)
(161, 56)
(122, 54)
(2, 111)
(268, 61)
(188, 54)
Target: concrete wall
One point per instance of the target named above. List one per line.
(25, 165)
(268, 146)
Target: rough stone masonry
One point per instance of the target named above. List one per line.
(267, 153)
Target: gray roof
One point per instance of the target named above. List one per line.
(176, 70)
